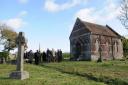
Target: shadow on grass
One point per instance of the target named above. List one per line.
(106, 80)
(4, 78)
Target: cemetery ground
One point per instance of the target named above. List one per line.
(70, 73)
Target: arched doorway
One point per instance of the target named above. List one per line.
(78, 50)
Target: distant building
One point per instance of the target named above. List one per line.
(89, 41)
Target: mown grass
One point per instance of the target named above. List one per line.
(70, 73)
(43, 76)
(109, 72)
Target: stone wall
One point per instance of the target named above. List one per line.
(109, 47)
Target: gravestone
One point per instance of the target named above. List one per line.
(20, 73)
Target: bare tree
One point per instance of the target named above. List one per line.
(124, 13)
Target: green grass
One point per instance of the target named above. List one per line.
(70, 73)
(109, 72)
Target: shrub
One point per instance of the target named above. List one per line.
(66, 55)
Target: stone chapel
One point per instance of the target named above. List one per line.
(89, 41)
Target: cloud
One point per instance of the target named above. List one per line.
(107, 13)
(52, 6)
(16, 22)
(86, 14)
(23, 1)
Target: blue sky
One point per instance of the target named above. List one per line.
(49, 22)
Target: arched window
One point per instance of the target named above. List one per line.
(97, 45)
(107, 46)
(115, 46)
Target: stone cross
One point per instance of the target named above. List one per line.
(20, 41)
(20, 73)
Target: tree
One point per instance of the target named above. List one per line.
(7, 37)
(4, 56)
(125, 43)
(124, 13)
(125, 46)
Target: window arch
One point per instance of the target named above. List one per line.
(116, 46)
(117, 43)
(96, 45)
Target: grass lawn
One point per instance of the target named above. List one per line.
(70, 73)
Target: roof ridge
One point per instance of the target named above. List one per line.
(93, 23)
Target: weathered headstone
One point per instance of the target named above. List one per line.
(20, 73)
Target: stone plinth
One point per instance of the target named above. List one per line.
(19, 75)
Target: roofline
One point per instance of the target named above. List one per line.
(82, 22)
(113, 31)
(73, 25)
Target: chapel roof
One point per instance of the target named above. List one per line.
(99, 29)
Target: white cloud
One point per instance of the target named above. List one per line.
(109, 12)
(23, 1)
(15, 23)
(52, 6)
(111, 9)
(86, 14)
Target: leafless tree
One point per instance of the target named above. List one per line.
(124, 13)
